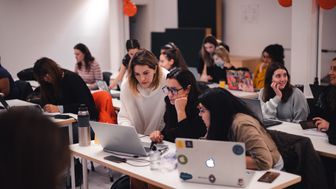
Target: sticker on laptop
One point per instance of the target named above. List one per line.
(189, 144)
(238, 149)
(240, 182)
(182, 159)
(212, 178)
(185, 176)
(179, 144)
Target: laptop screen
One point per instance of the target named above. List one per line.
(239, 80)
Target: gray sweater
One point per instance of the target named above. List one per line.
(294, 110)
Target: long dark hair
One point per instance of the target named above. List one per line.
(175, 54)
(42, 67)
(132, 44)
(268, 91)
(276, 53)
(223, 106)
(207, 58)
(88, 58)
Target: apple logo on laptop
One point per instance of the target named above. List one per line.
(210, 163)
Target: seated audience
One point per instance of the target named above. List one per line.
(86, 66)
(206, 64)
(279, 99)
(142, 98)
(228, 119)
(7, 85)
(271, 53)
(222, 62)
(62, 90)
(181, 108)
(171, 59)
(132, 46)
(36, 155)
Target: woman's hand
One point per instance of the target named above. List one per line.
(156, 136)
(113, 84)
(321, 123)
(50, 108)
(275, 87)
(180, 105)
(204, 78)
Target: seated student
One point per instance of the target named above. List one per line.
(271, 53)
(324, 110)
(222, 62)
(167, 46)
(142, 98)
(35, 154)
(86, 66)
(279, 99)
(171, 59)
(62, 90)
(7, 85)
(132, 46)
(181, 108)
(228, 119)
(206, 64)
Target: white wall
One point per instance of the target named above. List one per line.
(36, 28)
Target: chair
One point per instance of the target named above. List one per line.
(300, 158)
(103, 101)
(24, 88)
(26, 74)
(106, 77)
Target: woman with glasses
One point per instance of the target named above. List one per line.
(228, 119)
(142, 98)
(180, 118)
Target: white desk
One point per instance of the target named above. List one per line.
(239, 94)
(170, 179)
(319, 140)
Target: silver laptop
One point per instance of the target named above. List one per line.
(103, 86)
(19, 103)
(212, 162)
(122, 139)
(255, 107)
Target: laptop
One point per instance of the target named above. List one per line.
(239, 80)
(212, 162)
(103, 86)
(316, 90)
(254, 105)
(122, 139)
(19, 103)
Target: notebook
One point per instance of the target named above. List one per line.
(122, 139)
(239, 80)
(254, 106)
(212, 162)
(103, 86)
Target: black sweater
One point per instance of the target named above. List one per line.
(191, 127)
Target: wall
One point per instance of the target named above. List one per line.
(36, 28)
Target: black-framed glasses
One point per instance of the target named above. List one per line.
(171, 90)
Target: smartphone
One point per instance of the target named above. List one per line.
(115, 159)
(269, 177)
(62, 116)
(308, 124)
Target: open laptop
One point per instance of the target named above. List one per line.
(19, 103)
(254, 105)
(212, 162)
(122, 139)
(103, 86)
(239, 80)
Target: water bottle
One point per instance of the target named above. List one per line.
(154, 159)
(84, 135)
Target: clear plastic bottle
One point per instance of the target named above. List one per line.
(84, 135)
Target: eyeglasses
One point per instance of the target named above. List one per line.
(172, 90)
(202, 110)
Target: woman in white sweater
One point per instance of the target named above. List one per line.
(279, 99)
(142, 99)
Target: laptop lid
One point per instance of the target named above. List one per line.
(212, 162)
(102, 85)
(19, 103)
(239, 80)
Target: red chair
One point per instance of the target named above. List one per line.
(103, 101)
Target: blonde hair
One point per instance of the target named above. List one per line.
(222, 53)
(144, 58)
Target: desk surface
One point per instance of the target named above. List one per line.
(319, 139)
(170, 179)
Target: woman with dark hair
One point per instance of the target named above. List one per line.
(86, 66)
(279, 99)
(167, 46)
(36, 154)
(223, 64)
(132, 46)
(180, 118)
(171, 59)
(142, 98)
(271, 53)
(206, 65)
(62, 90)
(228, 119)
(7, 85)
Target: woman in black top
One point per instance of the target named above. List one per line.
(62, 90)
(181, 116)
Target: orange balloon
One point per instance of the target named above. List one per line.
(130, 9)
(327, 4)
(285, 3)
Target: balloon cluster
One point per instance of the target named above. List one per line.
(130, 8)
(325, 4)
